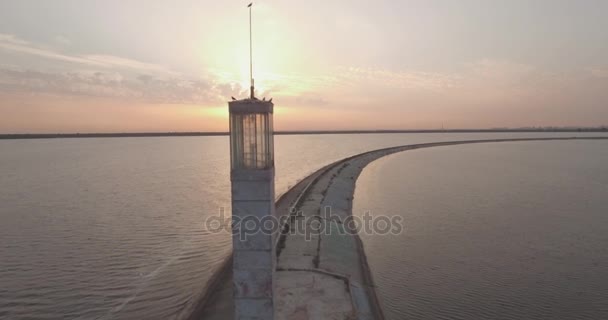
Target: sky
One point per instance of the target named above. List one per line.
(139, 65)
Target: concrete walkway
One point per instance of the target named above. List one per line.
(325, 276)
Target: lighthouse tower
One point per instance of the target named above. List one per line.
(252, 178)
(253, 205)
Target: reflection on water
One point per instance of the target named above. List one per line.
(112, 228)
(492, 231)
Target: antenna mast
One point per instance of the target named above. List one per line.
(250, 52)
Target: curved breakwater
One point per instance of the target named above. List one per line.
(326, 258)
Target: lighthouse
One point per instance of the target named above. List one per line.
(252, 187)
(252, 179)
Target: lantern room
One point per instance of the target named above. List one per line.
(251, 134)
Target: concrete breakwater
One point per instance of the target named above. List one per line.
(325, 276)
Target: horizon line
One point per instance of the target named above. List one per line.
(293, 132)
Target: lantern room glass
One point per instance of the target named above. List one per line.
(251, 141)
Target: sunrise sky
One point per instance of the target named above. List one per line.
(125, 66)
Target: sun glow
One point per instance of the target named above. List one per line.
(276, 52)
(216, 112)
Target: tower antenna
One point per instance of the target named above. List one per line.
(250, 52)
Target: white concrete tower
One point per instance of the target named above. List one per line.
(252, 177)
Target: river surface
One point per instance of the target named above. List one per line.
(113, 228)
(515, 230)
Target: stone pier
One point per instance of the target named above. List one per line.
(324, 276)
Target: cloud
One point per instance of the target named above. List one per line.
(500, 68)
(112, 84)
(369, 76)
(11, 39)
(311, 100)
(487, 73)
(12, 43)
(114, 61)
(110, 76)
(304, 100)
(488, 85)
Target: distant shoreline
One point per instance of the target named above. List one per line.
(205, 134)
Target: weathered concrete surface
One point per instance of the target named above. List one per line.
(309, 295)
(333, 281)
(326, 276)
(216, 301)
(253, 261)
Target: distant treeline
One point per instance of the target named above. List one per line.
(198, 134)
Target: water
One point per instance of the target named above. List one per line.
(492, 231)
(112, 228)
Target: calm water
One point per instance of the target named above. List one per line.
(492, 231)
(113, 228)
